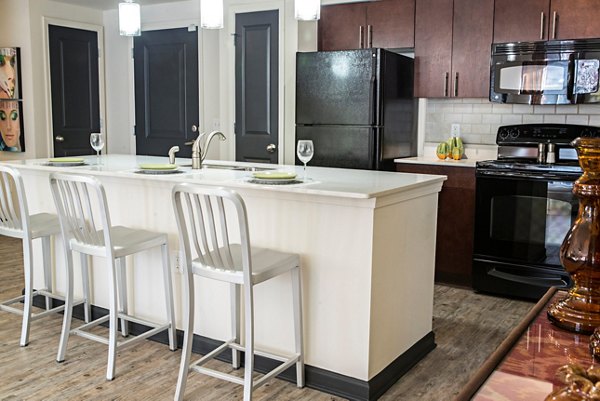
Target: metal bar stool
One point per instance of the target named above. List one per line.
(202, 225)
(79, 199)
(16, 222)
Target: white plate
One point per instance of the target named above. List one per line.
(277, 181)
(65, 164)
(157, 171)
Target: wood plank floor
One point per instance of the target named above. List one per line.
(468, 328)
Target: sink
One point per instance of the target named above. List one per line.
(230, 167)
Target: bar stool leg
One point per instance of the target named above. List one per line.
(27, 260)
(47, 269)
(234, 290)
(66, 327)
(85, 276)
(122, 293)
(169, 297)
(113, 318)
(297, 302)
(249, 346)
(188, 333)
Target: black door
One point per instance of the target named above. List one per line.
(74, 85)
(166, 91)
(256, 88)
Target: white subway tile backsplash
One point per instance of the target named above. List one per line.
(480, 119)
(491, 118)
(501, 108)
(522, 109)
(589, 109)
(511, 119)
(463, 108)
(554, 118)
(472, 118)
(533, 118)
(453, 118)
(481, 128)
(482, 108)
(544, 109)
(579, 119)
(567, 109)
(595, 121)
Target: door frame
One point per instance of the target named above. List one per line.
(278, 5)
(47, 21)
(157, 26)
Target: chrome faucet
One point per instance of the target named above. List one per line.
(172, 152)
(199, 149)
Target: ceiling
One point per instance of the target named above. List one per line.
(110, 4)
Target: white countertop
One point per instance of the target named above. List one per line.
(473, 154)
(347, 183)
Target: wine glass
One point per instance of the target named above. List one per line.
(97, 142)
(305, 151)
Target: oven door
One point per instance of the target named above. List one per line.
(520, 224)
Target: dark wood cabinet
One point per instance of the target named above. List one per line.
(455, 224)
(386, 24)
(531, 20)
(452, 47)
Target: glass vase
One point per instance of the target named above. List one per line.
(580, 250)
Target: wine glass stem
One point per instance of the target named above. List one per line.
(98, 156)
(304, 171)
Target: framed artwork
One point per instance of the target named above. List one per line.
(11, 103)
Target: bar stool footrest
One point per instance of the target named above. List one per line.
(287, 361)
(5, 306)
(80, 331)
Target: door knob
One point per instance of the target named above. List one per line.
(59, 138)
(194, 128)
(271, 148)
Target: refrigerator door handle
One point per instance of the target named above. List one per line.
(372, 95)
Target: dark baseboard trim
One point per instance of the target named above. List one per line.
(315, 378)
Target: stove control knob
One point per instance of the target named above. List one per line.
(514, 133)
(503, 133)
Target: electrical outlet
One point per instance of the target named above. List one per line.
(455, 130)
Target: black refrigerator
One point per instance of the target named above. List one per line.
(357, 107)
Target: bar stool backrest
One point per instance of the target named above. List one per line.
(14, 219)
(74, 196)
(202, 222)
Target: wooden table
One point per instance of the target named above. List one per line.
(523, 368)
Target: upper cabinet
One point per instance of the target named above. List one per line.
(531, 20)
(386, 23)
(452, 47)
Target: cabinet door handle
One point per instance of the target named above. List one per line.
(446, 77)
(554, 20)
(456, 85)
(360, 37)
(542, 26)
(370, 35)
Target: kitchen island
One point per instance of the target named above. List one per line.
(367, 246)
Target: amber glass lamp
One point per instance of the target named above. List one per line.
(580, 251)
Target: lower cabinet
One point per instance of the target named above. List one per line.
(455, 224)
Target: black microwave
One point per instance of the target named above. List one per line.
(549, 72)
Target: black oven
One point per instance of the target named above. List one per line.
(521, 222)
(524, 208)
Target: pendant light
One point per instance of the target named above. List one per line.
(129, 19)
(211, 14)
(308, 10)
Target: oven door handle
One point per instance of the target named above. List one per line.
(540, 282)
